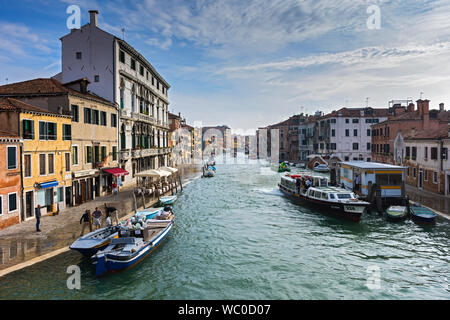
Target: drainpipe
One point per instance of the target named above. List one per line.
(22, 208)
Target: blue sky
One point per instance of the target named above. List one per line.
(253, 63)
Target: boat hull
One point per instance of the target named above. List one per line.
(424, 216)
(89, 247)
(396, 218)
(168, 200)
(108, 264)
(336, 210)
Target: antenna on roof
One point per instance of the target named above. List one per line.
(6, 80)
(123, 34)
(421, 95)
(367, 102)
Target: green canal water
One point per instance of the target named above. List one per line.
(237, 237)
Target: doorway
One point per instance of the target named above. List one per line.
(29, 205)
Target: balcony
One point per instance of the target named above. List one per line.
(143, 117)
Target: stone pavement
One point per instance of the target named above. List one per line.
(21, 242)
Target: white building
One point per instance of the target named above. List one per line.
(347, 133)
(120, 74)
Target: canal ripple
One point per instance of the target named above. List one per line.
(237, 237)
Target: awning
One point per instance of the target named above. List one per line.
(117, 172)
(169, 169)
(153, 173)
(49, 184)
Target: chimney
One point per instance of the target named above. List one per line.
(83, 85)
(411, 107)
(93, 18)
(441, 107)
(424, 112)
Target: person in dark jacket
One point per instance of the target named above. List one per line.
(37, 214)
(86, 221)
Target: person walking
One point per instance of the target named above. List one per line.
(113, 212)
(37, 214)
(115, 191)
(97, 215)
(86, 221)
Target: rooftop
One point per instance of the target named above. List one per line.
(10, 104)
(370, 165)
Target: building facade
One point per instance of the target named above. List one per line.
(46, 155)
(10, 180)
(120, 74)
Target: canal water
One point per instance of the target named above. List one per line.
(237, 237)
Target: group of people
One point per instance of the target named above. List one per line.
(303, 183)
(93, 219)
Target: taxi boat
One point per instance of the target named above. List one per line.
(335, 200)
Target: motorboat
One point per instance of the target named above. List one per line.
(396, 213)
(94, 241)
(168, 200)
(132, 245)
(422, 214)
(321, 168)
(316, 190)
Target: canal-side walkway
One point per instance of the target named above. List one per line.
(21, 245)
(436, 202)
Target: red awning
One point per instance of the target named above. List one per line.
(117, 172)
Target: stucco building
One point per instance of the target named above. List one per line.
(120, 74)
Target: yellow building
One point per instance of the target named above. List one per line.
(45, 156)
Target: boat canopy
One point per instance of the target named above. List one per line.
(153, 173)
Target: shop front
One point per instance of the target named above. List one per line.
(112, 176)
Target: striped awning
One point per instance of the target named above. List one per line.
(49, 184)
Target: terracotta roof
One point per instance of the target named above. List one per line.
(45, 86)
(14, 105)
(356, 112)
(427, 134)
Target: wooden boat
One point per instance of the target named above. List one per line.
(148, 213)
(321, 168)
(168, 200)
(94, 241)
(422, 214)
(334, 200)
(396, 213)
(125, 252)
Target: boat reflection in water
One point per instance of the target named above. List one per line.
(317, 191)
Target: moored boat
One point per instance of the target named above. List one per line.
(321, 168)
(337, 201)
(396, 213)
(168, 200)
(94, 241)
(126, 251)
(422, 214)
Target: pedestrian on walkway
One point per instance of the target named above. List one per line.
(115, 191)
(86, 221)
(37, 214)
(113, 212)
(97, 215)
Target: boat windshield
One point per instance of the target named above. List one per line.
(344, 196)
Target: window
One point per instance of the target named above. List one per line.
(368, 132)
(51, 163)
(141, 70)
(408, 151)
(333, 132)
(67, 132)
(122, 56)
(96, 154)
(333, 146)
(1, 206)
(433, 153)
(12, 157)
(78, 55)
(426, 153)
(355, 120)
(67, 159)
(435, 179)
(355, 146)
(425, 175)
(95, 119)
(88, 154)
(407, 171)
(103, 118)
(355, 132)
(147, 75)
(96, 78)
(444, 153)
(28, 129)
(87, 115)
(368, 147)
(347, 132)
(347, 120)
(51, 131)
(75, 115)
(414, 172)
(60, 194)
(333, 120)
(133, 64)
(27, 165)
(74, 155)
(42, 167)
(375, 120)
(113, 120)
(114, 153)
(42, 130)
(12, 202)
(103, 153)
